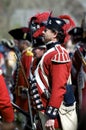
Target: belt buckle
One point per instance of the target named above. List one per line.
(19, 90)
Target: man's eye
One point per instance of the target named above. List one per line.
(45, 30)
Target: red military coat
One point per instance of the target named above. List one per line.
(26, 60)
(52, 74)
(6, 110)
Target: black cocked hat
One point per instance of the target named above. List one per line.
(55, 23)
(77, 31)
(38, 42)
(20, 33)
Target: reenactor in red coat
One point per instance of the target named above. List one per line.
(52, 74)
(6, 109)
(24, 53)
(24, 62)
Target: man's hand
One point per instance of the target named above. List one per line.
(50, 124)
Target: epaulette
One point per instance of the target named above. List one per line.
(29, 53)
(61, 56)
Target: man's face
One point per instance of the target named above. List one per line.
(70, 46)
(21, 45)
(48, 35)
(38, 52)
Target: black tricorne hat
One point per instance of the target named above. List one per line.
(55, 23)
(77, 31)
(38, 43)
(20, 33)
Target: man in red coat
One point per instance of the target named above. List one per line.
(52, 74)
(23, 68)
(6, 109)
(24, 60)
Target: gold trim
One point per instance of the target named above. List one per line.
(25, 34)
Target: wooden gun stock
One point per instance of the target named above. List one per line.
(81, 57)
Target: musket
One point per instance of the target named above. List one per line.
(26, 89)
(21, 110)
(83, 25)
(81, 56)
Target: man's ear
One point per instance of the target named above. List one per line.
(55, 34)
